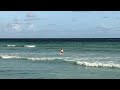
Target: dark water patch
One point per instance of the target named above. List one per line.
(59, 39)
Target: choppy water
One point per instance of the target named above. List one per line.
(40, 58)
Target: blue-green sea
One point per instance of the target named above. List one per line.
(83, 58)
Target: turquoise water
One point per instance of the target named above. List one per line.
(40, 59)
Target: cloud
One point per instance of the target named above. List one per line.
(31, 28)
(16, 27)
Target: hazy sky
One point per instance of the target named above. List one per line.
(60, 24)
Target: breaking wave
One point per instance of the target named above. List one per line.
(44, 58)
(8, 57)
(97, 64)
(29, 58)
(11, 45)
(30, 46)
(78, 61)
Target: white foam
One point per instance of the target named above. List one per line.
(98, 64)
(29, 58)
(11, 45)
(87, 63)
(30, 46)
(8, 57)
(86, 58)
(44, 58)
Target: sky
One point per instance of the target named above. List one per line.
(59, 24)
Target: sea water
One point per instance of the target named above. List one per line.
(83, 58)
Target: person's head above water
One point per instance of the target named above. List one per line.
(61, 50)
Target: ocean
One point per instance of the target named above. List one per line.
(40, 58)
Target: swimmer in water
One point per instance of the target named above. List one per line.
(61, 51)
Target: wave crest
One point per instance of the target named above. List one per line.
(8, 57)
(44, 58)
(67, 59)
(30, 46)
(11, 45)
(97, 64)
(29, 58)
